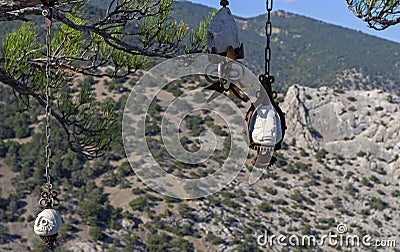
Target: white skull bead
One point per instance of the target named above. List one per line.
(47, 223)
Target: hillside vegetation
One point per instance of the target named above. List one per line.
(312, 53)
(339, 164)
(304, 51)
(322, 178)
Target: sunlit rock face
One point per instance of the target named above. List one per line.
(362, 125)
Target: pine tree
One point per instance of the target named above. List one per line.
(127, 37)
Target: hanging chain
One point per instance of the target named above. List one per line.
(48, 197)
(268, 31)
(48, 108)
(267, 79)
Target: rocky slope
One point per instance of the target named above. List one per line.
(351, 124)
(339, 166)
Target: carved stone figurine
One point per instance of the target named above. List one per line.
(265, 128)
(222, 34)
(47, 225)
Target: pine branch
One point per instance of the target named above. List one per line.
(16, 5)
(379, 15)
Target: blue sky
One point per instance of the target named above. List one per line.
(329, 11)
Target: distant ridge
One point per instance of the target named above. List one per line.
(305, 51)
(312, 53)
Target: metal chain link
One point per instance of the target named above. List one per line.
(48, 197)
(48, 105)
(268, 31)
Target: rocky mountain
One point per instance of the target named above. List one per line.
(312, 53)
(347, 123)
(304, 51)
(339, 170)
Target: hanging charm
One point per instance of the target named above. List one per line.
(48, 222)
(223, 34)
(265, 125)
(224, 73)
(265, 121)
